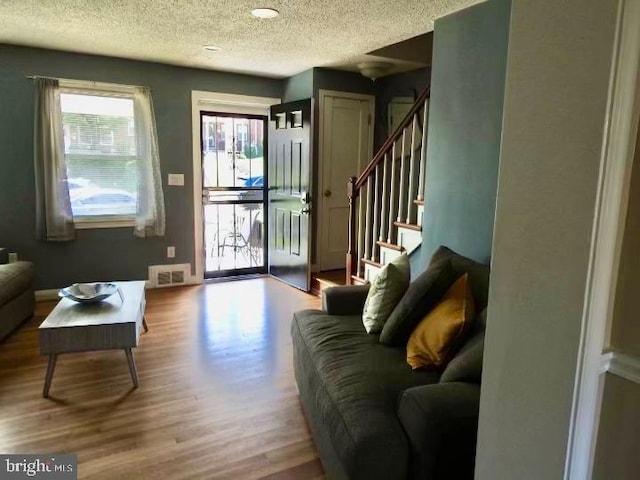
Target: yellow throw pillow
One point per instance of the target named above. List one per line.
(443, 329)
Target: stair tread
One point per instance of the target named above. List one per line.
(331, 278)
(391, 246)
(358, 280)
(373, 263)
(411, 226)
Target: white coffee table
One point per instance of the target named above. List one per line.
(111, 324)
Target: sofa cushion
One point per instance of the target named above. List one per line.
(386, 291)
(422, 295)
(15, 278)
(350, 385)
(466, 366)
(425, 292)
(444, 329)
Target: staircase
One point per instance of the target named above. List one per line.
(386, 201)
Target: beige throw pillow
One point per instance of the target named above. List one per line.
(386, 291)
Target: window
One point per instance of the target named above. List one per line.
(96, 159)
(100, 149)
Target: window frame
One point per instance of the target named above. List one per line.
(110, 90)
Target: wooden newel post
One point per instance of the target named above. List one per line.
(352, 254)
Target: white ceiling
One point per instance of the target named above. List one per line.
(307, 33)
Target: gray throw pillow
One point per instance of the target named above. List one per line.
(422, 295)
(466, 366)
(385, 292)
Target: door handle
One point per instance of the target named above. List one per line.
(327, 193)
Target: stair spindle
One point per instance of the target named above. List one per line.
(361, 242)
(403, 175)
(376, 215)
(411, 182)
(369, 207)
(392, 195)
(385, 199)
(423, 150)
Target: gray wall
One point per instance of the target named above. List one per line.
(465, 123)
(105, 253)
(557, 80)
(625, 331)
(618, 442)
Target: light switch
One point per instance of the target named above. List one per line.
(176, 179)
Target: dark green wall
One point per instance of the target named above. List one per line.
(298, 87)
(465, 125)
(105, 254)
(405, 84)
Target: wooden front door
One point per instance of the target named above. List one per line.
(290, 209)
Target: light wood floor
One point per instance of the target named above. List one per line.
(217, 397)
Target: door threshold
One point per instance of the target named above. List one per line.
(233, 278)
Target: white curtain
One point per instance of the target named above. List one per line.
(150, 214)
(54, 219)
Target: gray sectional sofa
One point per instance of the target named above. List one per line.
(371, 415)
(17, 297)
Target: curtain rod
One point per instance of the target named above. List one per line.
(91, 82)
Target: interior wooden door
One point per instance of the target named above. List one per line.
(347, 143)
(290, 210)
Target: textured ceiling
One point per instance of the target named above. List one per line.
(307, 33)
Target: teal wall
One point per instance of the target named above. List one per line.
(298, 87)
(103, 254)
(465, 125)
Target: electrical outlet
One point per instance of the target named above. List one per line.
(171, 252)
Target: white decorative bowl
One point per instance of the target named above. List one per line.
(88, 292)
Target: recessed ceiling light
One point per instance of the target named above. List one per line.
(211, 48)
(265, 13)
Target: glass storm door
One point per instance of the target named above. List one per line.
(233, 193)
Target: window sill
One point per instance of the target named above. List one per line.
(102, 222)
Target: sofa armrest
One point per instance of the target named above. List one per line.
(441, 423)
(344, 300)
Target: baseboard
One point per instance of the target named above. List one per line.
(52, 294)
(46, 295)
(622, 365)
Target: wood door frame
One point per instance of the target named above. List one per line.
(322, 95)
(619, 138)
(202, 101)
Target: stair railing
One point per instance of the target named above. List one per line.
(383, 195)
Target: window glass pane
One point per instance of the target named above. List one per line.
(100, 147)
(232, 152)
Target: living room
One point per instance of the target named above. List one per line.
(515, 155)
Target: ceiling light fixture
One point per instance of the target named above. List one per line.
(374, 70)
(265, 12)
(211, 48)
